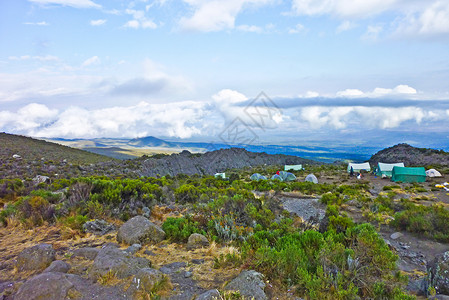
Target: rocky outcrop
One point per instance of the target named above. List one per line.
(147, 278)
(438, 273)
(212, 162)
(35, 258)
(86, 252)
(250, 284)
(411, 156)
(197, 240)
(98, 227)
(121, 264)
(139, 230)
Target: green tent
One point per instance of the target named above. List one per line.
(293, 167)
(257, 176)
(405, 174)
(385, 170)
(287, 176)
(220, 175)
(276, 177)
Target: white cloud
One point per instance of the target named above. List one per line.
(215, 15)
(39, 58)
(98, 22)
(72, 3)
(399, 90)
(350, 93)
(345, 26)
(250, 28)
(90, 61)
(298, 28)
(139, 21)
(372, 32)
(27, 118)
(43, 23)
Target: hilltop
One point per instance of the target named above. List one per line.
(411, 156)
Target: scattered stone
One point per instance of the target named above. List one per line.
(98, 227)
(396, 235)
(40, 179)
(197, 261)
(188, 274)
(16, 156)
(250, 284)
(147, 278)
(58, 266)
(197, 240)
(146, 212)
(87, 253)
(306, 209)
(139, 230)
(417, 286)
(111, 259)
(148, 252)
(209, 295)
(36, 258)
(172, 268)
(133, 248)
(56, 286)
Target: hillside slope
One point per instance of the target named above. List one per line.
(210, 163)
(411, 156)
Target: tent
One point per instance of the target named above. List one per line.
(257, 176)
(385, 170)
(311, 178)
(276, 177)
(358, 167)
(287, 176)
(293, 167)
(404, 174)
(433, 173)
(220, 175)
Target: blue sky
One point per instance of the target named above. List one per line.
(187, 68)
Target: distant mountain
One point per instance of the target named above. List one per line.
(411, 156)
(150, 141)
(212, 162)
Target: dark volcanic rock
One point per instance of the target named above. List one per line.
(36, 258)
(98, 227)
(212, 162)
(58, 266)
(197, 240)
(87, 253)
(438, 270)
(139, 230)
(410, 156)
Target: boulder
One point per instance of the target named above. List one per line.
(133, 248)
(197, 240)
(139, 230)
(87, 253)
(40, 179)
(36, 258)
(438, 273)
(58, 266)
(98, 227)
(146, 212)
(396, 235)
(56, 286)
(147, 278)
(250, 284)
(209, 295)
(117, 261)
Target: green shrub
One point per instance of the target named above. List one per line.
(179, 229)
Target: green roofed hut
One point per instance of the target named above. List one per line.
(385, 170)
(405, 174)
(293, 167)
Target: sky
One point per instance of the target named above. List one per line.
(284, 71)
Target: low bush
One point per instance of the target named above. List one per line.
(179, 229)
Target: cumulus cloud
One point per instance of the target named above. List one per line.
(140, 20)
(98, 22)
(298, 28)
(72, 3)
(215, 15)
(250, 28)
(345, 26)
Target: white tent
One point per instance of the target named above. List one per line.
(311, 178)
(293, 167)
(385, 170)
(358, 167)
(220, 175)
(433, 173)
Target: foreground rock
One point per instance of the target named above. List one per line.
(36, 258)
(118, 262)
(147, 278)
(197, 240)
(438, 273)
(249, 284)
(58, 266)
(56, 286)
(86, 252)
(139, 230)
